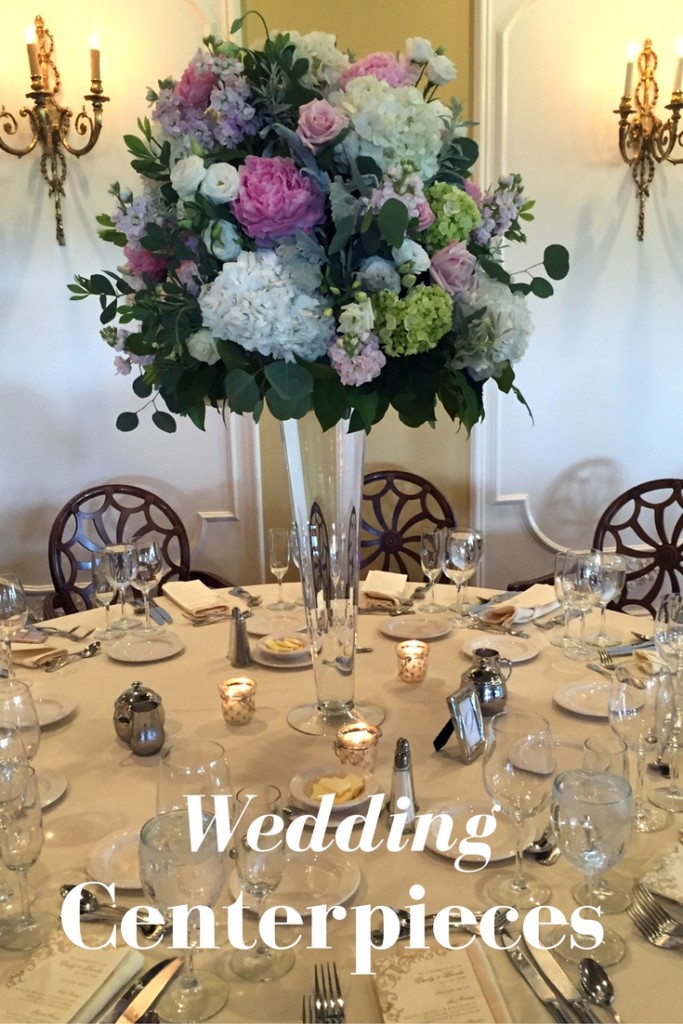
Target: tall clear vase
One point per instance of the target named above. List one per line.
(325, 470)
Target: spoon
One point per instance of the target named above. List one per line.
(88, 652)
(93, 909)
(544, 850)
(597, 985)
(661, 766)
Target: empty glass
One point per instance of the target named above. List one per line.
(278, 560)
(13, 613)
(18, 711)
(581, 583)
(668, 636)
(463, 551)
(103, 593)
(121, 567)
(565, 641)
(192, 766)
(612, 569)
(149, 564)
(432, 562)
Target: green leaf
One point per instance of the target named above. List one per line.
(241, 391)
(108, 313)
(127, 421)
(164, 421)
(289, 380)
(135, 146)
(231, 355)
(341, 235)
(393, 222)
(197, 413)
(329, 402)
(142, 387)
(495, 270)
(541, 288)
(556, 262)
(285, 408)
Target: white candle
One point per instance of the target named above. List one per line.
(94, 58)
(356, 745)
(412, 658)
(678, 77)
(238, 700)
(631, 53)
(32, 50)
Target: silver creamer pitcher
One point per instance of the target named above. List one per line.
(488, 676)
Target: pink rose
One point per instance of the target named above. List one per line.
(425, 214)
(384, 66)
(452, 268)
(196, 86)
(142, 262)
(319, 123)
(276, 200)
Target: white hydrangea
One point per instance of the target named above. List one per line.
(326, 64)
(500, 335)
(255, 302)
(202, 345)
(392, 125)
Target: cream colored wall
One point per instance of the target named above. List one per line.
(443, 454)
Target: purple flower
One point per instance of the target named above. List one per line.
(384, 66)
(276, 200)
(357, 360)
(452, 268)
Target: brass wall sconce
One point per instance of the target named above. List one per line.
(49, 122)
(645, 140)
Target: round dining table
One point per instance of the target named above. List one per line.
(101, 793)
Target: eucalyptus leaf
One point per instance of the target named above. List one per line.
(126, 421)
(290, 380)
(164, 421)
(241, 390)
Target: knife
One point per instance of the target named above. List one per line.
(534, 979)
(144, 992)
(562, 984)
(158, 613)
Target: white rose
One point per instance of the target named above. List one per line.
(419, 50)
(440, 69)
(356, 318)
(202, 345)
(187, 176)
(221, 183)
(221, 238)
(413, 255)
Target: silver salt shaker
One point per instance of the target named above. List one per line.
(402, 786)
(239, 652)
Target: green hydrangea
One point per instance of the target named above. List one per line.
(456, 216)
(414, 323)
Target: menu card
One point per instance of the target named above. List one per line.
(61, 982)
(436, 984)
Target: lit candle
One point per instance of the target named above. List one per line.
(32, 49)
(94, 58)
(678, 77)
(412, 658)
(238, 700)
(356, 745)
(631, 54)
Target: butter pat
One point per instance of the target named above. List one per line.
(285, 644)
(344, 787)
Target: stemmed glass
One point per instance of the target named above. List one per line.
(582, 585)
(432, 562)
(278, 560)
(260, 873)
(18, 711)
(148, 573)
(462, 556)
(12, 753)
(565, 641)
(606, 752)
(641, 713)
(121, 568)
(296, 557)
(13, 613)
(592, 817)
(172, 873)
(668, 635)
(103, 593)
(519, 765)
(192, 766)
(612, 568)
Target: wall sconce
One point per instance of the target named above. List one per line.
(643, 139)
(51, 123)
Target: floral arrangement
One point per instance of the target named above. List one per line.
(308, 237)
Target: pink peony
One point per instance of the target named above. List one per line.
(384, 66)
(452, 268)
(319, 123)
(140, 262)
(196, 86)
(276, 200)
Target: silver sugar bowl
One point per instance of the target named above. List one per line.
(488, 676)
(123, 719)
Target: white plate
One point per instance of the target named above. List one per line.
(262, 623)
(300, 789)
(282, 656)
(587, 698)
(50, 786)
(502, 842)
(115, 859)
(514, 648)
(309, 878)
(134, 648)
(415, 627)
(272, 660)
(51, 710)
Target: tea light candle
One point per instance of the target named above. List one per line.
(356, 745)
(238, 700)
(412, 658)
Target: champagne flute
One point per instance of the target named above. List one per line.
(519, 765)
(668, 635)
(173, 874)
(260, 873)
(641, 713)
(148, 573)
(121, 568)
(613, 571)
(192, 766)
(278, 558)
(592, 818)
(13, 613)
(432, 562)
(463, 553)
(103, 593)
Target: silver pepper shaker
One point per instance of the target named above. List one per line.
(239, 652)
(402, 786)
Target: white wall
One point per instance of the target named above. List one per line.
(603, 372)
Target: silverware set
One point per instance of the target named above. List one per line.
(54, 664)
(490, 627)
(326, 1004)
(252, 599)
(66, 634)
(650, 917)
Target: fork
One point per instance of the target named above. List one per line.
(308, 1011)
(67, 634)
(651, 930)
(606, 659)
(653, 909)
(328, 995)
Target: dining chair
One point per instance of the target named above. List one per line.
(112, 513)
(397, 506)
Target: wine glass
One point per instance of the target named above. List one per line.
(173, 874)
(606, 752)
(13, 613)
(582, 585)
(18, 711)
(592, 818)
(260, 866)
(564, 641)
(103, 593)
(613, 571)
(148, 573)
(278, 559)
(192, 766)
(121, 568)
(668, 636)
(432, 562)
(12, 753)
(462, 556)
(21, 840)
(296, 557)
(519, 765)
(641, 713)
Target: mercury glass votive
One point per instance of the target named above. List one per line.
(356, 745)
(412, 656)
(238, 700)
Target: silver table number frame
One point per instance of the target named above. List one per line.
(468, 723)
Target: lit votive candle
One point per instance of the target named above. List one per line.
(412, 658)
(238, 700)
(356, 745)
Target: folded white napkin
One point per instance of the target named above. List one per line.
(530, 604)
(32, 656)
(647, 661)
(195, 599)
(384, 587)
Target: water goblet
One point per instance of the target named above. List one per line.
(613, 571)
(121, 568)
(668, 636)
(519, 765)
(149, 563)
(592, 817)
(103, 593)
(432, 560)
(581, 583)
(641, 713)
(173, 874)
(606, 752)
(192, 766)
(13, 613)
(278, 560)
(260, 872)
(463, 551)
